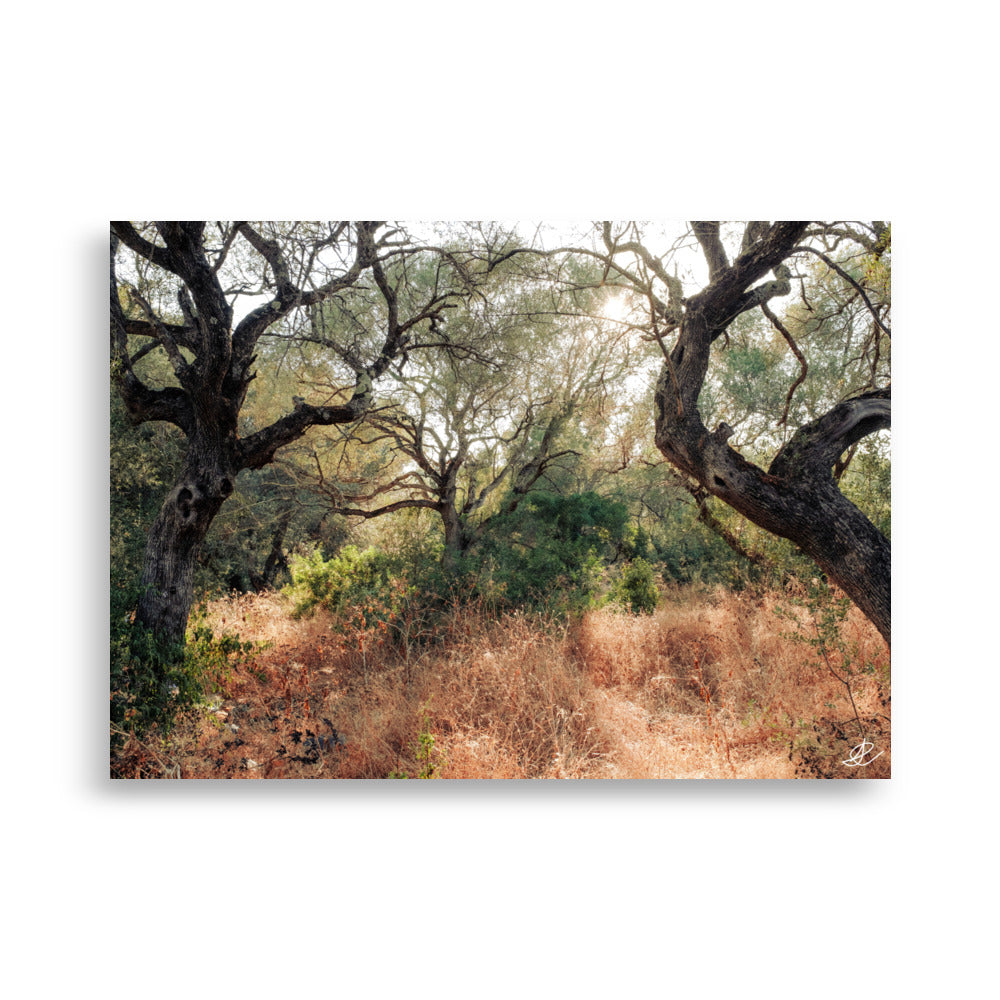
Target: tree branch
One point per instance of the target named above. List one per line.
(406, 504)
(184, 243)
(141, 402)
(226, 244)
(271, 252)
(177, 362)
(817, 446)
(257, 450)
(159, 256)
(181, 335)
(288, 296)
(834, 266)
(707, 234)
(780, 327)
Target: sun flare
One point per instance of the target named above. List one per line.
(615, 308)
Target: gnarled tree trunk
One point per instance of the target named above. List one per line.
(173, 544)
(797, 497)
(455, 539)
(213, 361)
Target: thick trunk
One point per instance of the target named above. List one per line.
(852, 552)
(836, 535)
(174, 541)
(454, 538)
(798, 497)
(276, 562)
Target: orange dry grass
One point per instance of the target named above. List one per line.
(707, 687)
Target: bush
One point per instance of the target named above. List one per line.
(636, 589)
(153, 680)
(347, 578)
(148, 682)
(550, 552)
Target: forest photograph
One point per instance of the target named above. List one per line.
(500, 499)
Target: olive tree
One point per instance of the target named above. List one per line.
(212, 354)
(797, 495)
(471, 426)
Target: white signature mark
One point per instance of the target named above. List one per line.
(856, 758)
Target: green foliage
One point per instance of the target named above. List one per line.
(348, 577)
(827, 614)
(636, 588)
(637, 543)
(144, 461)
(687, 551)
(750, 377)
(427, 755)
(210, 659)
(868, 484)
(550, 552)
(153, 680)
(148, 682)
(379, 597)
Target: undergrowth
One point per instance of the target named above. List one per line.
(709, 684)
(155, 685)
(824, 746)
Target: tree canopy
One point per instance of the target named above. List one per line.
(294, 382)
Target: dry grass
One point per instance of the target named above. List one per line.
(708, 687)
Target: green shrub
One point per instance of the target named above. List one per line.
(636, 589)
(153, 680)
(551, 551)
(427, 755)
(347, 578)
(149, 684)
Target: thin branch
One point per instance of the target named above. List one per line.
(839, 270)
(707, 234)
(177, 362)
(160, 256)
(780, 327)
(227, 243)
(387, 509)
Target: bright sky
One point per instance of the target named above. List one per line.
(658, 237)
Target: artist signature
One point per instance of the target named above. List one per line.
(857, 757)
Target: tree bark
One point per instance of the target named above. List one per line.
(797, 498)
(455, 537)
(276, 561)
(175, 539)
(214, 371)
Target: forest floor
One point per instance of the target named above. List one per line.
(712, 685)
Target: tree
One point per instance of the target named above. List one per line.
(797, 496)
(474, 424)
(212, 358)
(478, 424)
